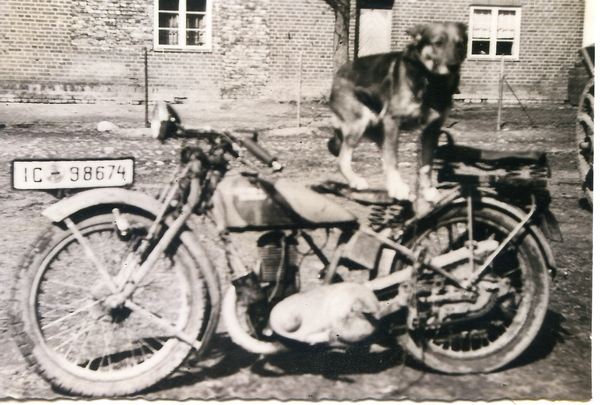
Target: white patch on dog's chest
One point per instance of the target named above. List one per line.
(410, 109)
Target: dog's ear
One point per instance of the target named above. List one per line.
(416, 33)
(464, 39)
(462, 29)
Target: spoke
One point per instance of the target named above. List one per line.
(451, 235)
(89, 253)
(83, 329)
(84, 308)
(470, 225)
(61, 334)
(438, 243)
(131, 346)
(168, 326)
(127, 268)
(62, 308)
(106, 352)
(83, 344)
(70, 285)
(148, 345)
(466, 341)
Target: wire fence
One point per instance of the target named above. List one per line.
(517, 116)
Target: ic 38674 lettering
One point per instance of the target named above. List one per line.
(40, 175)
(88, 173)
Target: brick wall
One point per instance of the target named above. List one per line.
(302, 26)
(93, 50)
(551, 35)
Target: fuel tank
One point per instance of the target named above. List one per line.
(243, 203)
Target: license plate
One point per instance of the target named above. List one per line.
(60, 174)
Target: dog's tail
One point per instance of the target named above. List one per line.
(335, 142)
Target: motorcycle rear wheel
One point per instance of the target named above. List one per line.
(499, 336)
(74, 341)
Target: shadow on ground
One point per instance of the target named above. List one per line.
(226, 359)
(551, 333)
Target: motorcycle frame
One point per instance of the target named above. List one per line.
(459, 195)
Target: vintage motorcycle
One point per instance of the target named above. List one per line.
(120, 290)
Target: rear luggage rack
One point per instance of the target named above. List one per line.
(487, 168)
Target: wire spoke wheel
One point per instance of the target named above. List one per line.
(585, 139)
(85, 345)
(457, 333)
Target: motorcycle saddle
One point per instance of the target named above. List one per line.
(451, 152)
(469, 155)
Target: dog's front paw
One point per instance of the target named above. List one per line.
(400, 191)
(359, 183)
(430, 194)
(422, 207)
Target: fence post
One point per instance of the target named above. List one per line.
(299, 89)
(147, 121)
(500, 89)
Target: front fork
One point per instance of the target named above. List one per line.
(123, 286)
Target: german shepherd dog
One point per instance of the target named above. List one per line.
(378, 95)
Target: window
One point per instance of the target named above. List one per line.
(494, 32)
(182, 24)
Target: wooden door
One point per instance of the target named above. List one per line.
(375, 31)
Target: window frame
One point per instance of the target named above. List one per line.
(182, 29)
(493, 33)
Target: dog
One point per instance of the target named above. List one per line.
(376, 96)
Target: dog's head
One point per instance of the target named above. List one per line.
(440, 47)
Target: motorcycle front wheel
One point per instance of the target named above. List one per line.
(488, 340)
(70, 334)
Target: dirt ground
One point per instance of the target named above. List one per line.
(557, 365)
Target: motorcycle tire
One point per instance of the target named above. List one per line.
(72, 339)
(488, 341)
(584, 135)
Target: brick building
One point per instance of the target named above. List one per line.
(93, 50)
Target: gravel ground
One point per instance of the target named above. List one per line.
(557, 366)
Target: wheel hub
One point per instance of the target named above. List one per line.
(110, 305)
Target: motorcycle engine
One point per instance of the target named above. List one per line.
(279, 257)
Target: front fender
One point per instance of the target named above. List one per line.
(98, 197)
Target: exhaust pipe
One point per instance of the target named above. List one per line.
(237, 332)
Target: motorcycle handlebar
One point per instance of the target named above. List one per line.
(166, 123)
(261, 153)
(250, 144)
